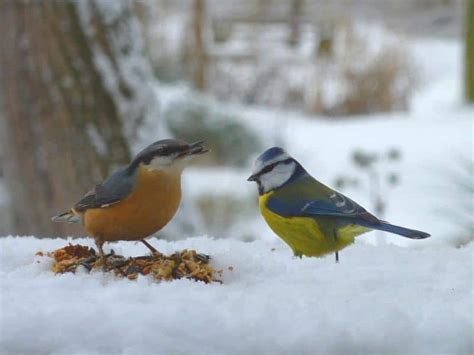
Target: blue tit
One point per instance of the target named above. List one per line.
(310, 217)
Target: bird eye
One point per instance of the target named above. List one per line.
(267, 168)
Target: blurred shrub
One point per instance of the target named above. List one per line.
(168, 71)
(220, 213)
(268, 84)
(385, 83)
(369, 71)
(380, 172)
(461, 214)
(194, 118)
(335, 67)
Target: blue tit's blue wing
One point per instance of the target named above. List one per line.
(335, 205)
(308, 197)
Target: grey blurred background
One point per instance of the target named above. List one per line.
(85, 84)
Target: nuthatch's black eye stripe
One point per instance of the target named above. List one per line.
(165, 148)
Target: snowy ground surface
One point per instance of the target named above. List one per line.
(383, 299)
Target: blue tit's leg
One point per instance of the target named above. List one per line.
(334, 233)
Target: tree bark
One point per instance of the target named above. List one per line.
(63, 126)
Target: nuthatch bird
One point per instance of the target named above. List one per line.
(138, 200)
(310, 217)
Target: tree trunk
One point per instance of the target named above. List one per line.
(63, 91)
(469, 51)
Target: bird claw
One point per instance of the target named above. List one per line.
(156, 254)
(203, 258)
(102, 262)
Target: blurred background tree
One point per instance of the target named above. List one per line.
(70, 103)
(469, 50)
(302, 54)
(197, 54)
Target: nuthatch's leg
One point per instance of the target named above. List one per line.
(100, 243)
(152, 248)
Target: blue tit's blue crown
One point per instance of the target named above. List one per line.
(271, 154)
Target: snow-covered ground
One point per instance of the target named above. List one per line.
(383, 299)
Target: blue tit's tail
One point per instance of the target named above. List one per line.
(404, 232)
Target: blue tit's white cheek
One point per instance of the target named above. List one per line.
(280, 174)
(259, 164)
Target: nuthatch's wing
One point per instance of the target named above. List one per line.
(308, 197)
(114, 189)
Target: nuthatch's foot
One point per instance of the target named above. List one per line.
(153, 250)
(89, 262)
(203, 258)
(101, 262)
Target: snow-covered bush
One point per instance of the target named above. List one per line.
(361, 69)
(384, 84)
(460, 184)
(336, 68)
(221, 213)
(194, 118)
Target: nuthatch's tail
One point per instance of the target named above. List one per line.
(67, 217)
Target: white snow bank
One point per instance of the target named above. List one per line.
(381, 299)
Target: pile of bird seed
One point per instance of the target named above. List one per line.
(185, 264)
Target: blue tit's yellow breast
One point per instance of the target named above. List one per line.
(305, 235)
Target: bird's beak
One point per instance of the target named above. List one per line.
(196, 149)
(252, 177)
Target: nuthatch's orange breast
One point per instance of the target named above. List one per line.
(151, 205)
